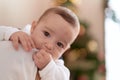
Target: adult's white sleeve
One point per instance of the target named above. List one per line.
(6, 32)
(55, 70)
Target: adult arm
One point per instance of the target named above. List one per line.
(17, 36)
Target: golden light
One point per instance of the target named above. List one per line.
(73, 55)
(92, 46)
(76, 1)
(59, 2)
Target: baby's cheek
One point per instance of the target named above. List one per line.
(37, 43)
(58, 55)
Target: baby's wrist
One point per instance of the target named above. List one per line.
(45, 65)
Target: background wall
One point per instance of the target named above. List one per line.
(21, 12)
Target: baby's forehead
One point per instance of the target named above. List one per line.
(55, 22)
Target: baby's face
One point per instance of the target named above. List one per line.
(53, 34)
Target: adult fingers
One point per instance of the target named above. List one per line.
(15, 42)
(32, 43)
(24, 43)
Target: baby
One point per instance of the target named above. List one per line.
(51, 35)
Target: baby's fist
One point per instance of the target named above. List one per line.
(41, 59)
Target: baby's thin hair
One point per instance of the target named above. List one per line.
(65, 13)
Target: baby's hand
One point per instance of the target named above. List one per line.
(24, 39)
(41, 59)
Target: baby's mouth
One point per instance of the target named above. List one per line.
(35, 49)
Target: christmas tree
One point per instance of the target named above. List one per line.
(82, 59)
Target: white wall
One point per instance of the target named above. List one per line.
(21, 12)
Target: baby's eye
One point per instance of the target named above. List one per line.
(60, 45)
(47, 34)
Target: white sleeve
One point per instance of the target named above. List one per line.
(55, 70)
(6, 32)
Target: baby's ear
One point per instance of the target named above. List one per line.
(34, 24)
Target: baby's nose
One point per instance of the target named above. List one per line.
(48, 46)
